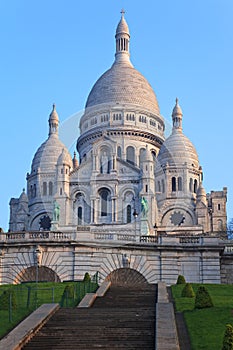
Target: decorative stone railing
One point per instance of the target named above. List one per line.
(115, 237)
(228, 249)
(37, 236)
(84, 233)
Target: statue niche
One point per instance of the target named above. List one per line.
(104, 163)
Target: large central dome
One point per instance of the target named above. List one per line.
(121, 100)
(123, 84)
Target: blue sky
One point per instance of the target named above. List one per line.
(54, 51)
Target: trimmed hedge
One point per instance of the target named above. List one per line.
(188, 291)
(180, 280)
(87, 277)
(203, 298)
(228, 338)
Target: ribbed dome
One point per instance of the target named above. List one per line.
(48, 153)
(177, 150)
(123, 84)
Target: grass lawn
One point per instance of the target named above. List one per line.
(29, 296)
(206, 326)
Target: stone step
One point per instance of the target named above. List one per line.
(123, 319)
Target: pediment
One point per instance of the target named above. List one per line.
(124, 168)
(83, 172)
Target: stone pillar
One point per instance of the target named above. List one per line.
(114, 210)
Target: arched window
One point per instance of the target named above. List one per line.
(34, 190)
(31, 191)
(163, 186)
(80, 215)
(129, 212)
(119, 152)
(153, 155)
(173, 184)
(130, 155)
(141, 154)
(195, 186)
(50, 188)
(191, 185)
(159, 186)
(220, 225)
(180, 187)
(105, 197)
(44, 188)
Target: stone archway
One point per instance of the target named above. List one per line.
(40, 274)
(126, 276)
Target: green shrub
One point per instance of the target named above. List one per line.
(5, 300)
(180, 280)
(69, 291)
(87, 277)
(187, 291)
(228, 338)
(203, 298)
(67, 296)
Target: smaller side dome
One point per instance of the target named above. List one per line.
(177, 149)
(47, 154)
(65, 158)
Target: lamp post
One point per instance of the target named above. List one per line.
(37, 254)
(155, 228)
(135, 215)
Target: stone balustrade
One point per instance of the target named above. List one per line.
(37, 236)
(85, 234)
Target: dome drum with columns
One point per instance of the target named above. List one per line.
(130, 182)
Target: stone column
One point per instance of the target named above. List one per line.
(114, 210)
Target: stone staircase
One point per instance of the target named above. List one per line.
(123, 319)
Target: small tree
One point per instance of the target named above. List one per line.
(188, 291)
(228, 338)
(203, 298)
(180, 280)
(68, 295)
(87, 277)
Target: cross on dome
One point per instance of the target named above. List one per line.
(122, 13)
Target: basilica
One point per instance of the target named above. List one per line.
(127, 183)
(124, 162)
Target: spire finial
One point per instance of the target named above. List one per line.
(177, 117)
(53, 121)
(122, 41)
(75, 161)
